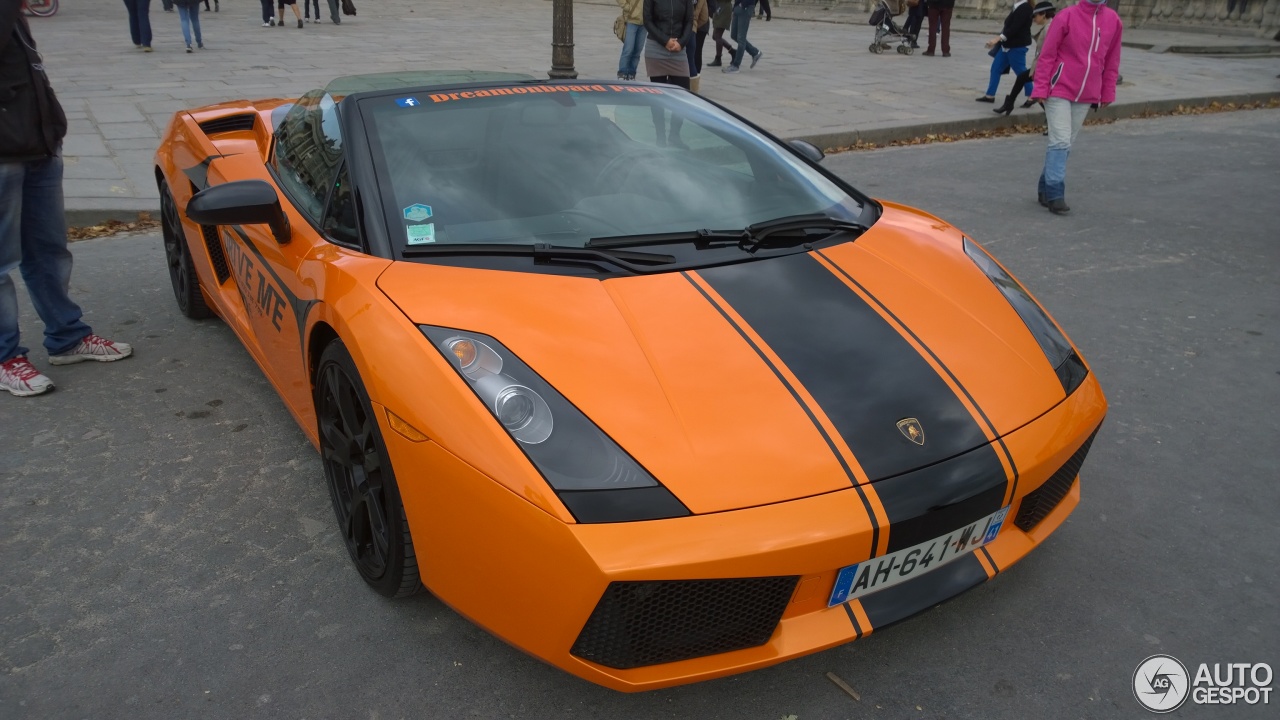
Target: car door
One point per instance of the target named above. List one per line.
(305, 164)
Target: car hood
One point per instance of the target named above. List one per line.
(765, 381)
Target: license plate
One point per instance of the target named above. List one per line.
(879, 573)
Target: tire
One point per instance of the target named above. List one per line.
(904, 50)
(362, 485)
(177, 255)
(875, 48)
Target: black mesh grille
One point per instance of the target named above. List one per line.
(647, 623)
(228, 124)
(216, 256)
(1040, 502)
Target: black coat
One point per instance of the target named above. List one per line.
(1017, 27)
(32, 123)
(667, 19)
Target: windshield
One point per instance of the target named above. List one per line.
(562, 164)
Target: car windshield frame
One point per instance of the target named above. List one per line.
(549, 103)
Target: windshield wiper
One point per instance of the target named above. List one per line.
(793, 225)
(750, 238)
(698, 237)
(634, 261)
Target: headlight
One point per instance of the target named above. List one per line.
(594, 477)
(1062, 357)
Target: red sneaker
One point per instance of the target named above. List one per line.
(93, 347)
(21, 378)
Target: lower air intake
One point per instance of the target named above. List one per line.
(1038, 503)
(647, 623)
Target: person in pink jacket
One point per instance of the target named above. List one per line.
(1081, 62)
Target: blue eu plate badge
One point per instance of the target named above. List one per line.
(854, 581)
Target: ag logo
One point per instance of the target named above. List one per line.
(1161, 683)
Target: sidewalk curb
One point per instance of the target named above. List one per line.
(843, 139)
(1118, 111)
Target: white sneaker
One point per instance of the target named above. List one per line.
(21, 378)
(93, 347)
(268, 24)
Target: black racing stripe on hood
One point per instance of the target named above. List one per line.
(1004, 450)
(935, 500)
(900, 602)
(862, 495)
(862, 373)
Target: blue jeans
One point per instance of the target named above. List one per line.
(632, 46)
(741, 22)
(1015, 58)
(139, 21)
(33, 238)
(1064, 119)
(268, 11)
(190, 21)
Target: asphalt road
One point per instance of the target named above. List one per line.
(168, 548)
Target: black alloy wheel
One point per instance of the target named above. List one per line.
(182, 274)
(362, 485)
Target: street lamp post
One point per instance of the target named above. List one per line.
(562, 41)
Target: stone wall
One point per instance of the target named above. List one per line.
(1260, 18)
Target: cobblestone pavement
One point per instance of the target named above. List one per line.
(816, 79)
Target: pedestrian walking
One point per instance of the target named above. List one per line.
(1078, 67)
(1041, 15)
(139, 23)
(33, 231)
(633, 39)
(291, 3)
(765, 12)
(669, 24)
(742, 10)
(335, 13)
(939, 13)
(306, 10)
(1009, 48)
(721, 19)
(189, 14)
(268, 13)
(215, 5)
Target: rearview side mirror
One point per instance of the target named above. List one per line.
(807, 149)
(243, 202)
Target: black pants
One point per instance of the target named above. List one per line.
(671, 80)
(1020, 82)
(764, 11)
(915, 18)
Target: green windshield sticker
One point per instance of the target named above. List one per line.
(421, 234)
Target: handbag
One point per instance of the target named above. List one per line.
(348, 7)
(620, 28)
(995, 50)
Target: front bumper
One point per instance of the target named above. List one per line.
(535, 581)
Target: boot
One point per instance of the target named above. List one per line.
(1058, 206)
(1006, 108)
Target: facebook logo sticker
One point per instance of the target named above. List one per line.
(407, 102)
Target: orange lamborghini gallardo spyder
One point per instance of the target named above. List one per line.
(622, 378)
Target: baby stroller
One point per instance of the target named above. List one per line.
(887, 31)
